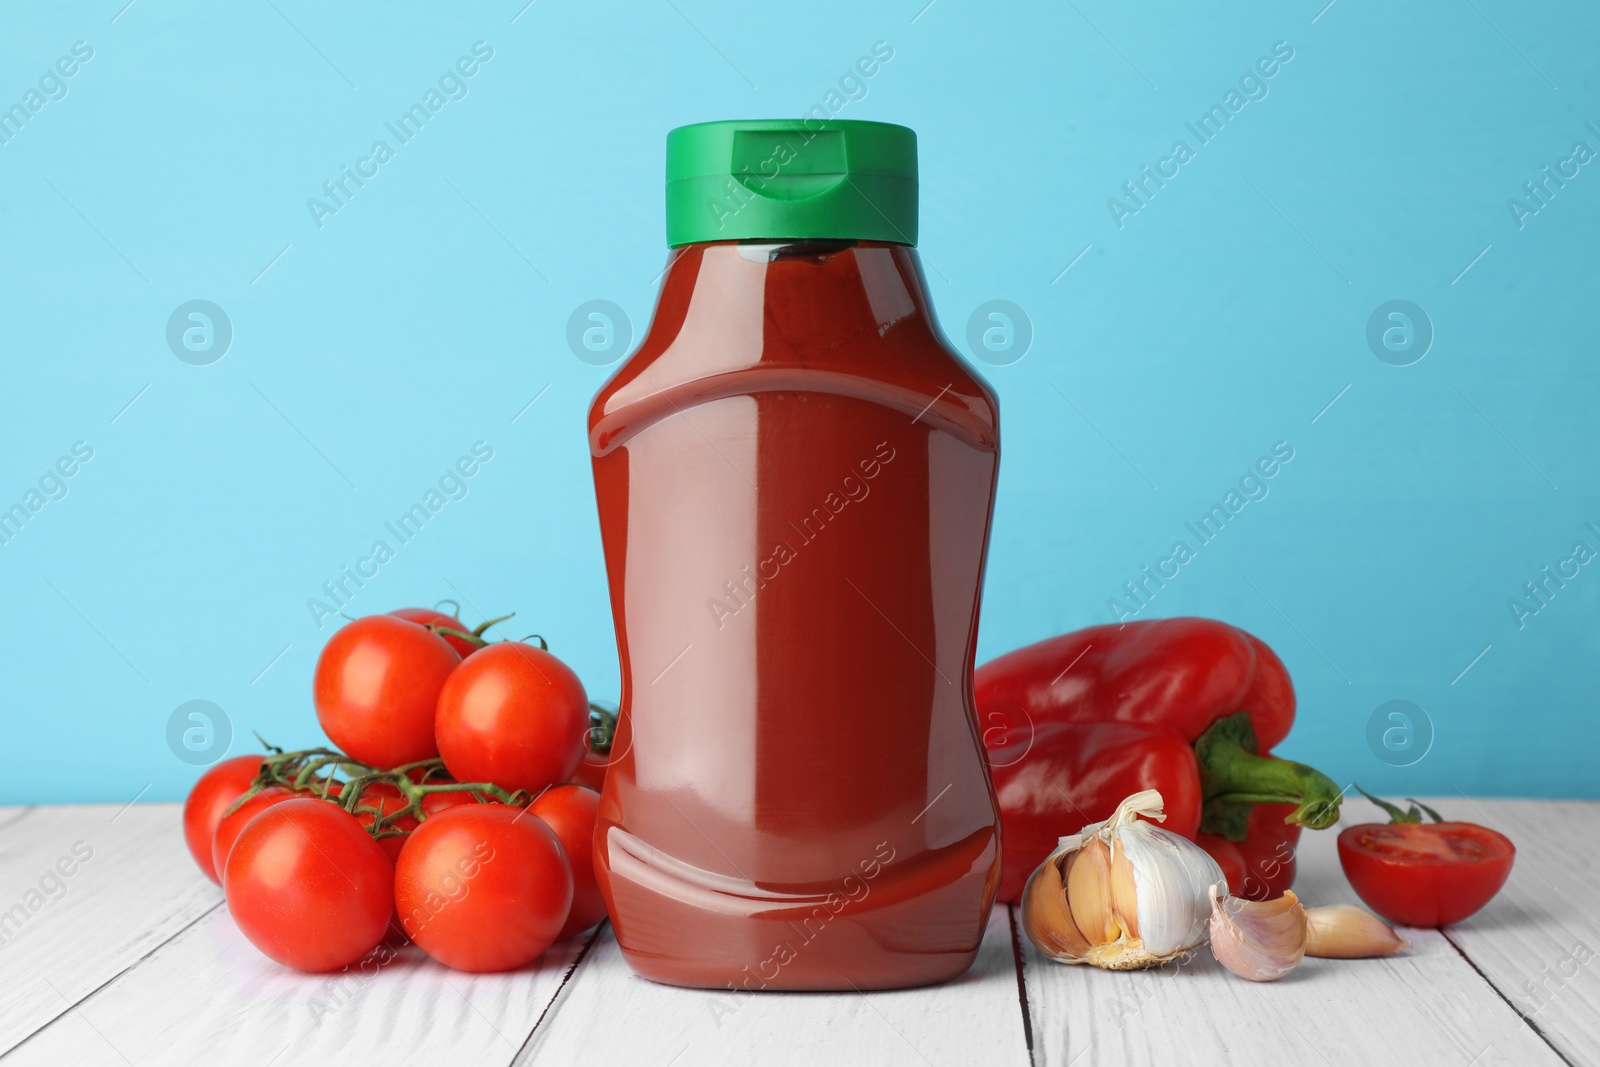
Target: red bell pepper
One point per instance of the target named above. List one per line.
(1191, 707)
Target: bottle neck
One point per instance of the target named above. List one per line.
(809, 294)
(794, 317)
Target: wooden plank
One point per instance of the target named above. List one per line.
(1425, 1006)
(131, 887)
(607, 1014)
(208, 996)
(1539, 940)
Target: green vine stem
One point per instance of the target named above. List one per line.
(316, 772)
(1396, 814)
(475, 636)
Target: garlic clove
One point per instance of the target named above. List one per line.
(1173, 875)
(1346, 932)
(1090, 898)
(1124, 893)
(1046, 919)
(1258, 940)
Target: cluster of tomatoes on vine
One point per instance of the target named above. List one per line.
(456, 811)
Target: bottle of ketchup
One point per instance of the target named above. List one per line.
(795, 475)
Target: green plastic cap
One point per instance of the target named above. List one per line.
(791, 178)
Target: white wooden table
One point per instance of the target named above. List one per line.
(133, 960)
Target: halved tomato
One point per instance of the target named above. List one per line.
(1425, 874)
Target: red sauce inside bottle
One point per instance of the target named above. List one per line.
(795, 477)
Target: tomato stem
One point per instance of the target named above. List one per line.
(483, 626)
(475, 636)
(1396, 815)
(450, 631)
(314, 772)
(274, 749)
(602, 728)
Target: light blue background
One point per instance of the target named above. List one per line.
(424, 316)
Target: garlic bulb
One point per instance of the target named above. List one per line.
(1346, 932)
(1121, 894)
(1261, 940)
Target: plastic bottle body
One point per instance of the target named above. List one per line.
(795, 479)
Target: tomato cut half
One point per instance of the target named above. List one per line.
(1425, 874)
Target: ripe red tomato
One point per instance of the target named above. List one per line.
(376, 687)
(212, 795)
(591, 772)
(513, 715)
(308, 886)
(430, 617)
(1425, 874)
(571, 810)
(229, 827)
(483, 887)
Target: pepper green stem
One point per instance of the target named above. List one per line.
(1234, 778)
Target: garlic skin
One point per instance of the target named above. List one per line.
(1121, 894)
(1346, 932)
(1258, 940)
